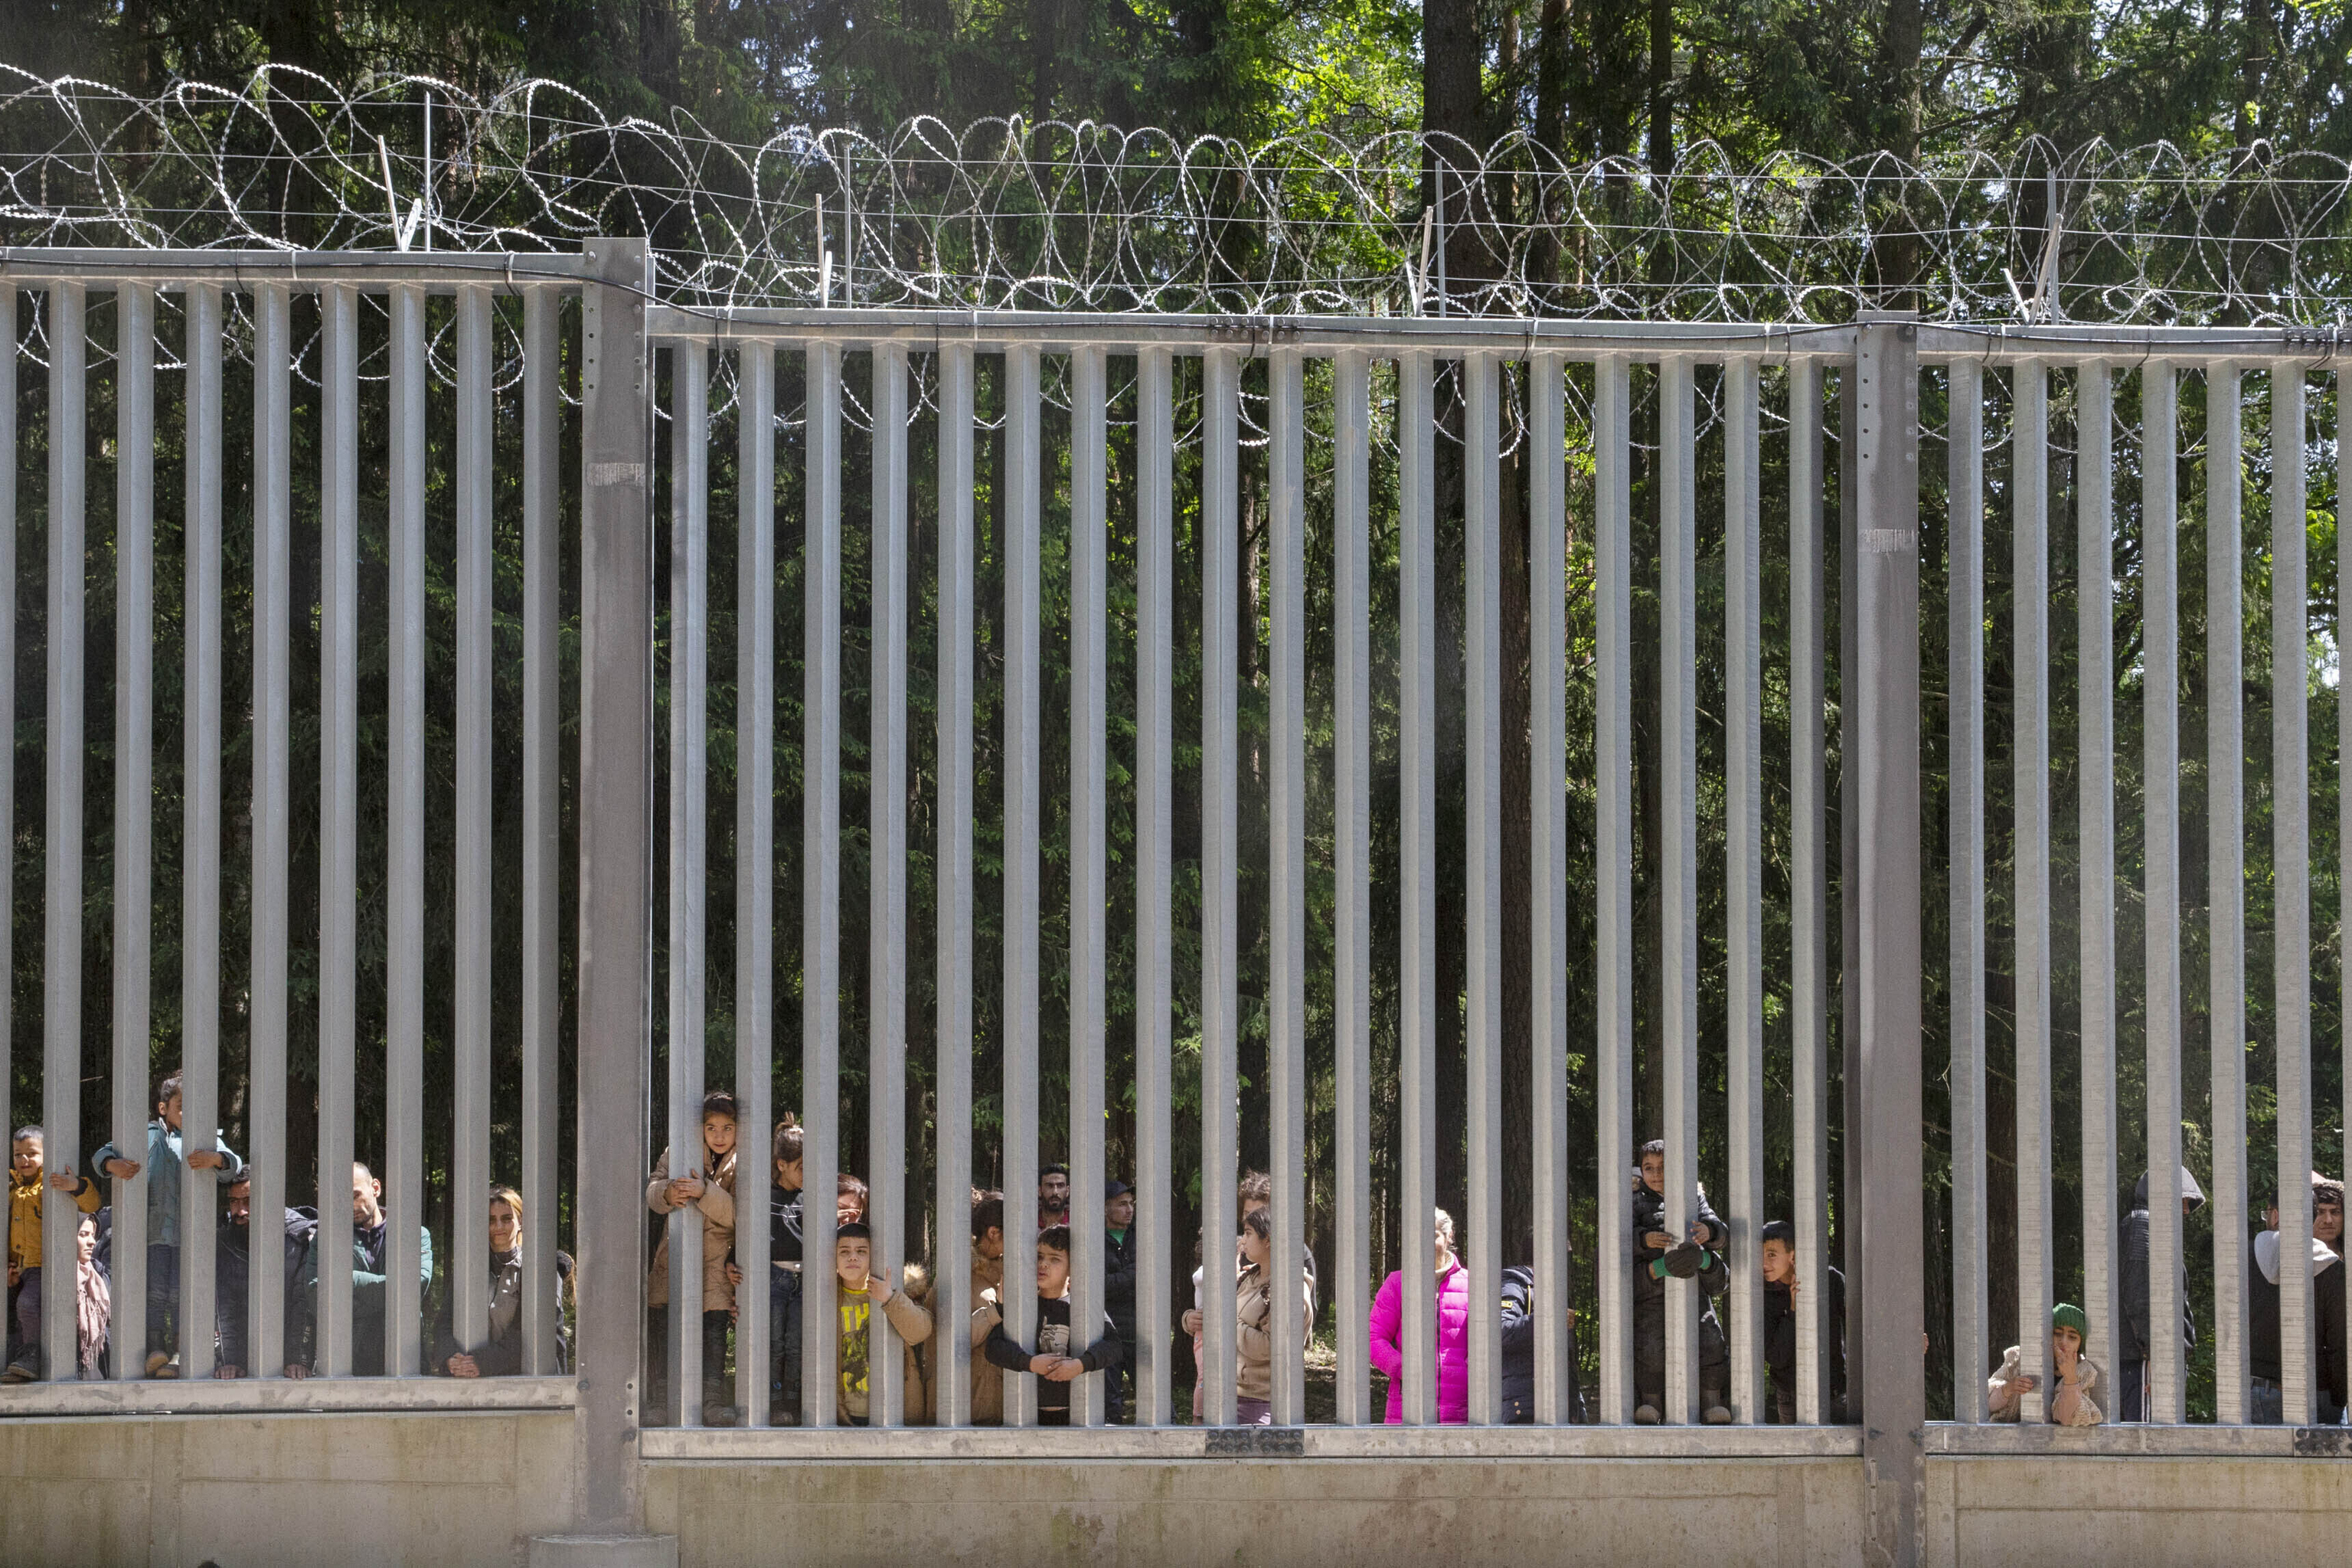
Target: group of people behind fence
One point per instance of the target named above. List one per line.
(156, 1171)
(1059, 1351)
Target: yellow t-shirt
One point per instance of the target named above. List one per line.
(857, 1311)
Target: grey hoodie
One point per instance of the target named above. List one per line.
(2134, 1259)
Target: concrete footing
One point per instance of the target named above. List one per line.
(604, 1551)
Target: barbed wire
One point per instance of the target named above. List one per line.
(1088, 216)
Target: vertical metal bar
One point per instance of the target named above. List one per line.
(1483, 655)
(1808, 985)
(1964, 528)
(2095, 813)
(2290, 878)
(1417, 747)
(952, 1028)
(2343, 694)
(1743, 874)
(1155, 722)
(616, 617)
(1089, 840)
(1678, 806)
(403, 1154)
(1023, 703)
(1612, 848)
(1287, 827)
(134, 775)
(61, 944)
(273, 671)
(755, 864)
(543, 819)
(1547, 819)
(470, 1127)
(886, 925)
(1351, 819)
(821, 883)
(2225, 870)
(2030, 786)
(1884, 754)
(200, 819)
(8, 453)
(690, 717)
(2160, 806)
(339, 788)
(1221, 634)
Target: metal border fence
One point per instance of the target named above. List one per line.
(1876, 367)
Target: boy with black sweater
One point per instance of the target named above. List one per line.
(1054, 1366)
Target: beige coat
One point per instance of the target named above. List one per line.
(2086, 1415)
(718, 1206)
(910, 1319)
(987, 1381)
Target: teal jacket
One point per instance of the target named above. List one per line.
(163, 1174)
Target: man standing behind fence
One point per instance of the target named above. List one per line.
(371, 1269)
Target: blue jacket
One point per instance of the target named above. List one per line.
(163, 1172)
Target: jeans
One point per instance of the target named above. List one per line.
(783, 1346)
(2266, 1405)
(28, 1316)
(1252, 1413)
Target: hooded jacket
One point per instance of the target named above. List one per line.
(2134, 1344)
(2262, 1355)
(1387, 1326)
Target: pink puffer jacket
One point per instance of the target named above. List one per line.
(1453, 1343)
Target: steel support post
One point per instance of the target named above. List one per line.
(616, 837)
(1884, 968)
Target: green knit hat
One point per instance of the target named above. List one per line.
(2066, 1315)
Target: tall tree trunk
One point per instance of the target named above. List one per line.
(1519, 880)
(1661, 86)
(1900, 39)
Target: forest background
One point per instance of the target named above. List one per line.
(1644, 81)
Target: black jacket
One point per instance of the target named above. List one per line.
(1649, 1215)
(1054, 1338)
(2262, 1352)
(1118, 1282)
(1780, 1342)
(783, 1225)
(232, 1292)
(2133, 1256)
(1520, 1350)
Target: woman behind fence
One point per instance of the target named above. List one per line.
(1452, 1312)
(501, 1354)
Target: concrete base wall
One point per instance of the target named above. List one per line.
(253, 1492)
(356, 1491)
(2074, 1513)
(1784, 1513)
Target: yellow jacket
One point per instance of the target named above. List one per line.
(24, 1216)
